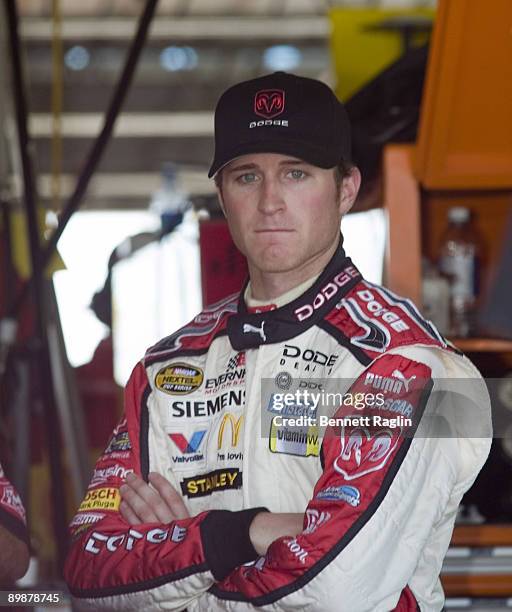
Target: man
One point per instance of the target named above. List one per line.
(14, 555)
(247, 510)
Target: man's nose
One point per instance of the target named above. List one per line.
(271, 197)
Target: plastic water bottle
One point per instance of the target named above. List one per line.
(459, 261)
(436, 297)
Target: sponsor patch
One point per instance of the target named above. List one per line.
(307, 360)
(235, 423)
(299, 441)
(315, 519)
(253, 329)
(99, 541)
(397, 383)
(190, 446)
(297, 550)
(82, 522)
(179, 379)
(237, 361)
(377, 309)
(118, 442)
(86, 518)
(206, 484)
(101, 475)
(209, 407)
(114, 455)
(400, 406)
(283, 380)
(107, 498)
(346, 493)
(228, 437)
(231, 378)
(327, 293)
(363, 452)
(12, 500)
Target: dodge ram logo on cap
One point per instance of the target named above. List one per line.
(269, 103)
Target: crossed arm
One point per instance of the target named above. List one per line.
(160, 502)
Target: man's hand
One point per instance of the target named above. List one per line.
(142, 503)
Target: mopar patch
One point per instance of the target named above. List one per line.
(179, 379)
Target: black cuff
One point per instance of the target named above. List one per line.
(226, 541)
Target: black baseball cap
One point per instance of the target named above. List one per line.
(281, 113)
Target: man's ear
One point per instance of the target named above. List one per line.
(349, 189)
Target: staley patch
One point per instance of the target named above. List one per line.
(206, 484)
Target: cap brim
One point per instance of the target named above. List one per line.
(299, 149)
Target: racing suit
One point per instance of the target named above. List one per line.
(12, 512)
(379, 496)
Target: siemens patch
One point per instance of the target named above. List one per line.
(209, 407)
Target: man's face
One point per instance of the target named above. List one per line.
(282, 212)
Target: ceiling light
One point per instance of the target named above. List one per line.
(282, 57)
(77, 58)
(178, 58)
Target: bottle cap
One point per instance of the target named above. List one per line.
(458, 214)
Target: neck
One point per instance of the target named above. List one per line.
(270, 285)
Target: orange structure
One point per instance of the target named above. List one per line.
(463, 156)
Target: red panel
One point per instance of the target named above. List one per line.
(223, 267)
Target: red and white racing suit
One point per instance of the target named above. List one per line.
(379, 495)
(12, 512)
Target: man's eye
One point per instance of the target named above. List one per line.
(248, 177)
(297, 174)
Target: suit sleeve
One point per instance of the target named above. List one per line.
(115, 566)
(12, 512)
(386, 492)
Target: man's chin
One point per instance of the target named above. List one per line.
(275, 261)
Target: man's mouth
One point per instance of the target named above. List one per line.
(272, 230)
